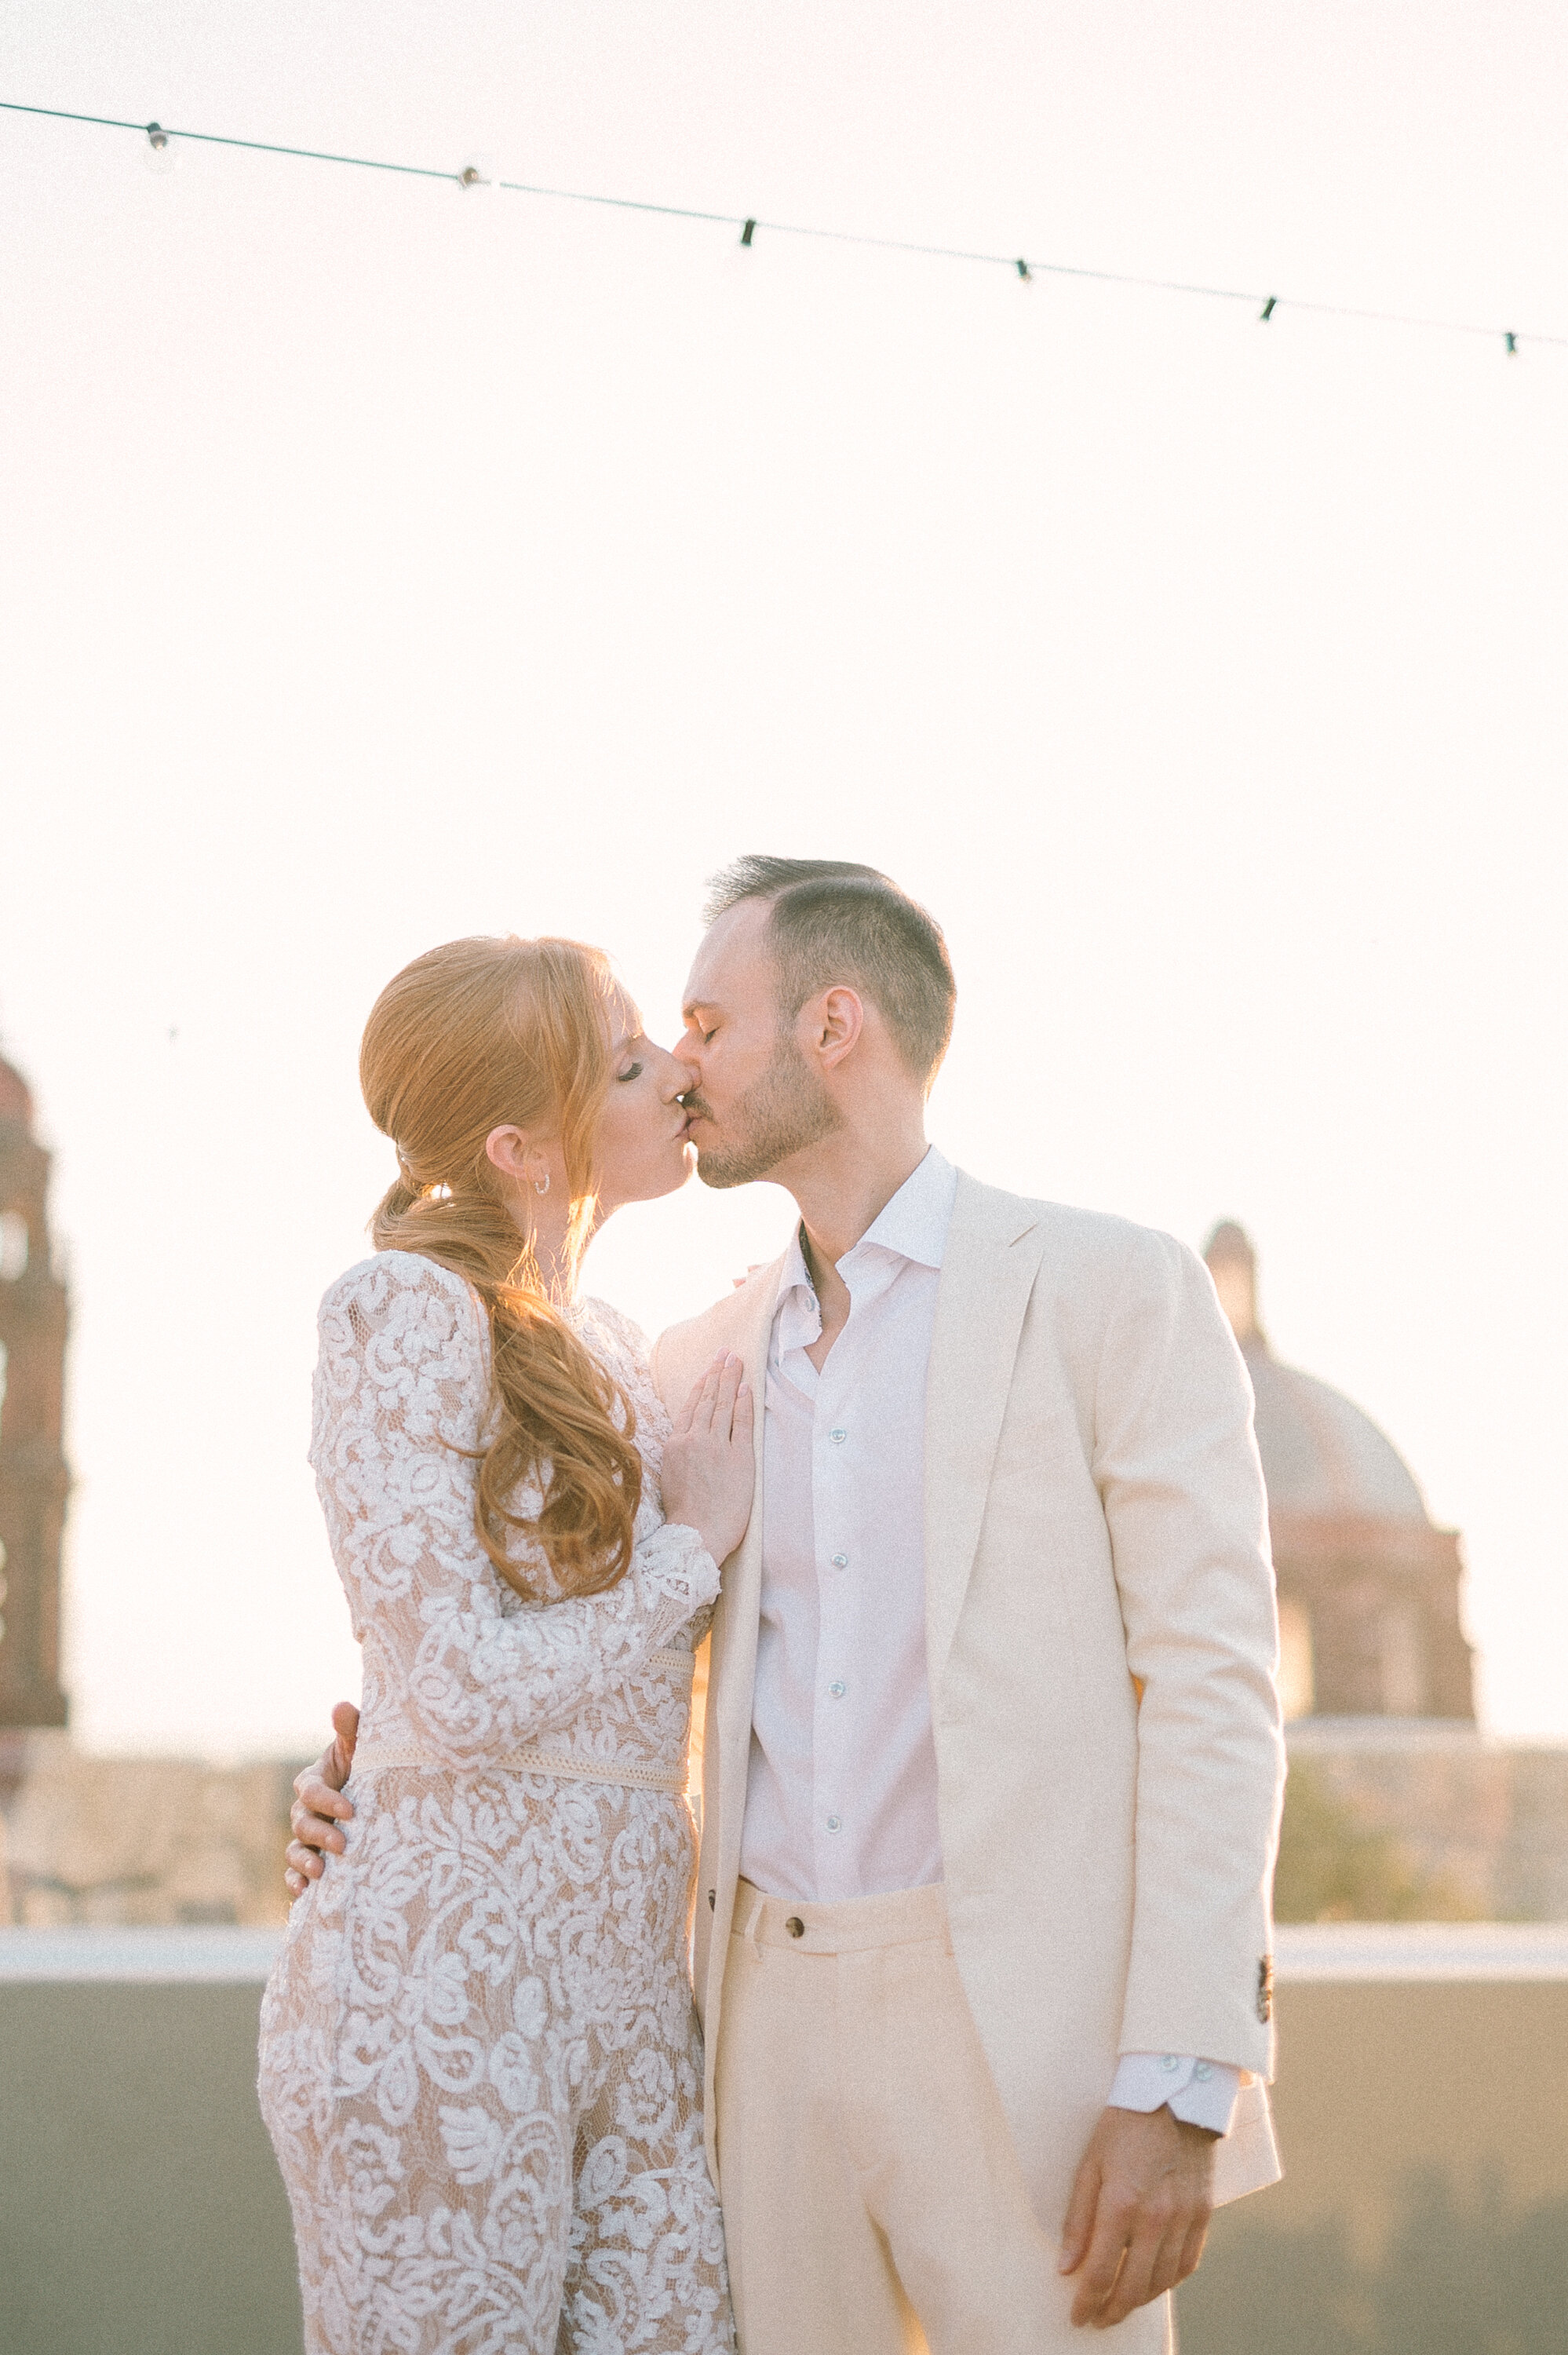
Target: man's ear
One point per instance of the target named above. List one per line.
(838, 1020)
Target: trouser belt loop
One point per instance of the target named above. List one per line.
(746, 1920)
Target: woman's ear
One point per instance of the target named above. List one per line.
(509, 1150)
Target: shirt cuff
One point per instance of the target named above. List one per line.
(1200, 2093)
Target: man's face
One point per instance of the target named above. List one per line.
(755, 1100)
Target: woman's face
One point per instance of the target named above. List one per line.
(640, 1149)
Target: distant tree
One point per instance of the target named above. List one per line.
(1335, 1867)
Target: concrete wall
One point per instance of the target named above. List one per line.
(1422, 2107)
(140, 2212)
(1422, 2103)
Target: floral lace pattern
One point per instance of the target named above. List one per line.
(480, 2060)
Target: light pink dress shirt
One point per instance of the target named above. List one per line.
(840, 1796)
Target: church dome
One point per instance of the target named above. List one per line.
(15, 1101)
(1322, 1455)
(1368, 1587)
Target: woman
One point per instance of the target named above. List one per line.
(479, 2062)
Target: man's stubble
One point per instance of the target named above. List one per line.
(787, 1110)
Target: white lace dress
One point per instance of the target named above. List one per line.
(480, 2062)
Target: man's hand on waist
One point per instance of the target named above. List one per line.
(320, 1810)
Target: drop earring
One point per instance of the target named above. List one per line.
(542, 1185)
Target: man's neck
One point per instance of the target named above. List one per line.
(846, 1187)
(841, 1196)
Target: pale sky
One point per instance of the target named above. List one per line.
(380, 563)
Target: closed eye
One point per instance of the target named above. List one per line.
(634, 1072)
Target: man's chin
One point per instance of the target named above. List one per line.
(719, 1172)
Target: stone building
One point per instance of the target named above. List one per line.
(90, 1840)
(1397, 1805)
(1368, 1587)
(33, 1478)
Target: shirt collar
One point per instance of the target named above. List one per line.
(913, 1225)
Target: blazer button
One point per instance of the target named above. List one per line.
(712, 1901)
(795, 1926)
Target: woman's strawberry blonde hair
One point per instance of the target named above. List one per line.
(467, 1038)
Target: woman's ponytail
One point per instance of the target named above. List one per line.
(468, 1039)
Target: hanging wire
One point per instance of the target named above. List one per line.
(1511, 339)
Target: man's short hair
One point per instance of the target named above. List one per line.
(833, 921)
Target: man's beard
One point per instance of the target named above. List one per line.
(787, 1110)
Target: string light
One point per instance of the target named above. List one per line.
(161, 153)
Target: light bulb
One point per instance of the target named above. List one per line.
(477, 175)
(740, 261)
(160, 155)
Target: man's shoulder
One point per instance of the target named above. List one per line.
(1093, 1245)
(683, 1351)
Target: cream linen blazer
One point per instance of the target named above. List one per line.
(1102, 1647)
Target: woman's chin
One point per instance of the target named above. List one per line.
(673, 1170)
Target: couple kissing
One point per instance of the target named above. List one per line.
(961, 2006)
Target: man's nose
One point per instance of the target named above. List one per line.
(678, 1077)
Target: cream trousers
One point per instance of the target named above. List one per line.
(872, 2199)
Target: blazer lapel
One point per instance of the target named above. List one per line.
(736, 1620)
(993, 1252)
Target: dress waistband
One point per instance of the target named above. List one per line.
(374, 1757)
(904, 1917)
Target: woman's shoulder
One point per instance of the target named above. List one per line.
(393, 1283)
(603, 1317)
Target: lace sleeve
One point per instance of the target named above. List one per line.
(401, 1389)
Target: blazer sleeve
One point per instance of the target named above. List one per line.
(1178, 1472)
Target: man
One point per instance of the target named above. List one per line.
(992, 1763)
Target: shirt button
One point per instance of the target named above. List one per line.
(834, 1824)
(837, 1688)
(1203, 2072)
(838, 1437)
(840, 1562)
(1170, 2062)
(795, 1926)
